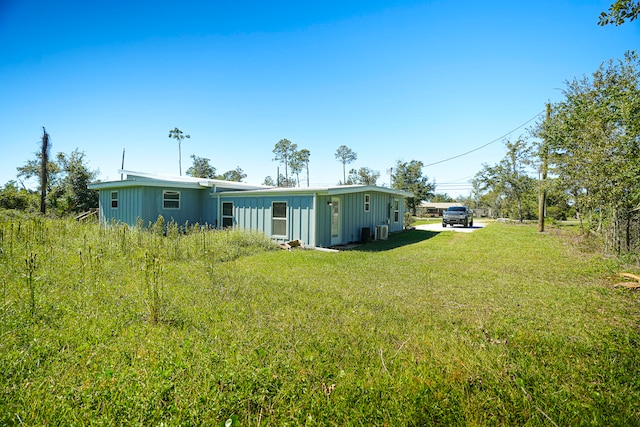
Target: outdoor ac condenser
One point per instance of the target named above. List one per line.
(382, 232)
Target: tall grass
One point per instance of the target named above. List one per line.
(502, 326)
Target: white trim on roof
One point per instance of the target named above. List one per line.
(137, 179)
(142, 179)
(322, 191)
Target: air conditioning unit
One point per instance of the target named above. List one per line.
(382, 232)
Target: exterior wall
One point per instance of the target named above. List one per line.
(190, 205)
(254, 213)
(130, 202)
(355, 218)
(209, 209)
(145, 203)
(308, 215)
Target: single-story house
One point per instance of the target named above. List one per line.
(434, 208)
(320, 217)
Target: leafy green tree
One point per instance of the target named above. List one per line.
(408, 176)
(282, 182)
(13, 197)
(77, 176)
(201, 168)
(300, 161)
(619, 12)
(346, 156)
(594, 152)
(363, 176)
(296, 165)
(179, 136)
(442, 198)
(509, 181)
(236, 175)
(284, 151)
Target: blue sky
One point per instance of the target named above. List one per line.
(392, 80)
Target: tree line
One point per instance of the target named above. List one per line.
(586, 155)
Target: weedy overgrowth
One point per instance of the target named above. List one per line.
(154, 287)
(142, 326)
(31, 265)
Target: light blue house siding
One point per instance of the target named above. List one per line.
(252, 212)
(144, 203)
(320, 217)
(309, 213)
(354, 216)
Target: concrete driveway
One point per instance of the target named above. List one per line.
(456, 228)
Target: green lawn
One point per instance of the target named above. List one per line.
(501, 326)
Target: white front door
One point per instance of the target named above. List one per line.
(336, 222)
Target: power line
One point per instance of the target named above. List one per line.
(487, 144)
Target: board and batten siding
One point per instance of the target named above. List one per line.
(355, 218)
(254, 213)
(129, 208)
(146, 204)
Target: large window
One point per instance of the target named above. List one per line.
(279, 219)
(171, 199)
(114, 200)
(227, 214)
(367, 202)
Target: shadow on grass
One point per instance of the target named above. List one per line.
(396, 240)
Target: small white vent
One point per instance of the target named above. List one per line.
(382, 232)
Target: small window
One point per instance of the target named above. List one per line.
(279, 219)
(171, 199)
(396, 210)
(227, 214)
(114, 200)
(367, 202)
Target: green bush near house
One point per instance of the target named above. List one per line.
(121, 326)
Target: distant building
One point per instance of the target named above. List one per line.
(434, 209)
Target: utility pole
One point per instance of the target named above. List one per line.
(122, 168)
(544, 154)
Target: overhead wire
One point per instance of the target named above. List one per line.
(487, 144)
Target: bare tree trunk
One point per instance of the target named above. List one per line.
(43, 171)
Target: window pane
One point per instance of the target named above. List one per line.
(279, 219)
(227, 209)
(279, 210)
(227, 222)
(279, 227)
(171, 200)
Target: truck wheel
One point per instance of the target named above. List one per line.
(444, 225)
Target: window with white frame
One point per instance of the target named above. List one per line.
(279, 219)
(396, 210)
(114, 200)
(367, 202)
(227, 214)
(170, 199)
